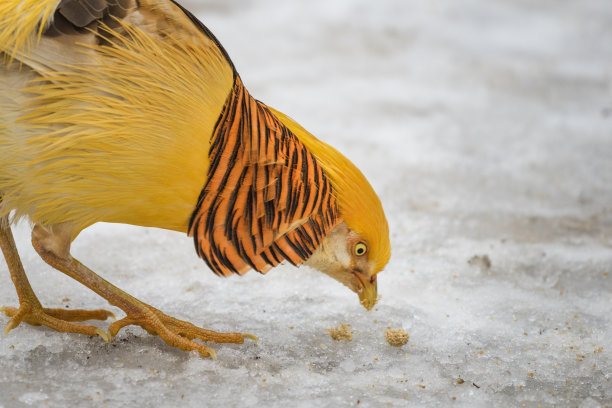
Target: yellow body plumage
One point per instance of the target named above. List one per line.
(21, 24)
(120, 138)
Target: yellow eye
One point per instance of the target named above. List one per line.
(360, 249)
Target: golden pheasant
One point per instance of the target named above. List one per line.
(131, 111)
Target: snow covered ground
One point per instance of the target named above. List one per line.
(486, 128)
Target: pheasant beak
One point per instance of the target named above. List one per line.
(368, 292)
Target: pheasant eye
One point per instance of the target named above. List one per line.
(360, 249)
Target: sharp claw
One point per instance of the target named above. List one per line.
(105, 336)
(10, 326)
(249, 336)
(111, 315)
(212, 354)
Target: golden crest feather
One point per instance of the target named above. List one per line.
(358, 203)
(21, 23)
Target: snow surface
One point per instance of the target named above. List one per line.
(486, 128)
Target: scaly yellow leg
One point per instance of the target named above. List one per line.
(30, 309)
(53, 244)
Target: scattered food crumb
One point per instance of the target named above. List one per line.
(422, 386)
(342, 333)
(460, 381)
(66, 300)
(481, 261)
(396, 338)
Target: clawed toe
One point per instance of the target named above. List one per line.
(177, 333)
(249, 336)
(105, 336)
(57, 319)
(80, 315)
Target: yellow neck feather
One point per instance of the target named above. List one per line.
(359, 206)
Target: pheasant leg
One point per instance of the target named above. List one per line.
(30, 309)
(53, 245)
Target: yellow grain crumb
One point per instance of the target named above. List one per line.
(342, 333)
(66, 300)
(460, 381)
(396, 338)
(530, 374)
